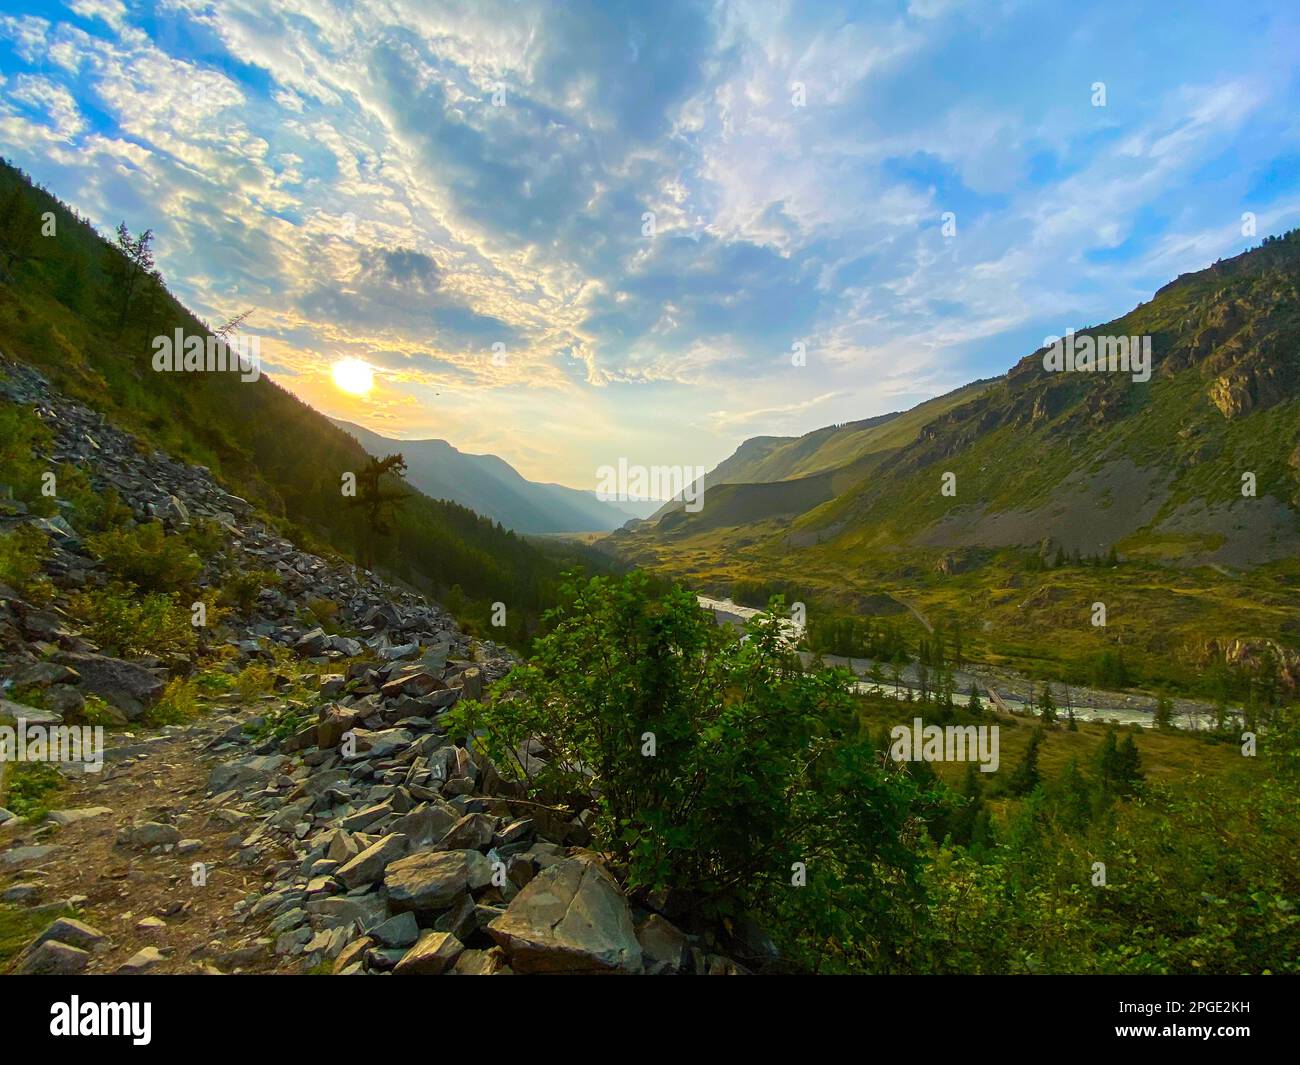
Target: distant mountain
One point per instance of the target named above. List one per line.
(1013, 506)
(1084, 460)
(492, 487)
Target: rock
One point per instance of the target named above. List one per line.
(149, 834)
(241, 774)
(14, 712)
(569, 918)
(664, 947)
(481, 963)
(23, 855)
(74, 933)
(427, 823)
(127, 686)
(370, 864)
(151, 925)
(472, 832)
(6, 815)
(142, 961)
(431, 956)
(352, 953)
(71, 817)
(401, 930)
(414, 683)
(53, 958)
(433, 880)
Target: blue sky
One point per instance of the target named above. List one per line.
(412, 183)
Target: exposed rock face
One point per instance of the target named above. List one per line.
(570, 918)
(129, 687)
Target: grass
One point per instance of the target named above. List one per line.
(31, 790)
(19, 926)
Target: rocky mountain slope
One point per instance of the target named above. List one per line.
(1044, 455)
(1011, 507)
(66, 310)
(320, 822)
(490, 486)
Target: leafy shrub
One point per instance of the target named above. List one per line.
(145, 556)
(31, 790)
(178, 704)
(119, 618)
(22, 436)
(22, 554)
(242, 588)
(93, 511)
(207, 538)
(716, 763)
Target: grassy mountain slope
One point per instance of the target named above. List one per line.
(1053, 473)
(848, 452)
(59, 311)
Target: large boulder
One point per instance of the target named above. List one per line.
(125, 685)
(433, 880)
(571, 918)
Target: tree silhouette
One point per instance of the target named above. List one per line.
(378, 503)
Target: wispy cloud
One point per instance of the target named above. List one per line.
(639, 211)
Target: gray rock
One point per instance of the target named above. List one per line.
(433, 880)
(569, 918)
(52, 958)
(400, 930)
(369, 865)
(73, 932)
(129, 687)
(431, 956)
(141, 962)
(23, 855)
(71, 817)
(664, 946)
(472, 832)
(149, 834)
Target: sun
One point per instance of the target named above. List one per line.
(353, 375)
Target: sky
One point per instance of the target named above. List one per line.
(577, 232)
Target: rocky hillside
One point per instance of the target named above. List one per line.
(1041, 455)
(318, 820)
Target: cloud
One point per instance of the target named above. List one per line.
(413, 183)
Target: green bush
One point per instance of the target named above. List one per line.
(242, 588)
(145, 556)
(122, 620)
(717, 765)
(22, 435)
(22, 554)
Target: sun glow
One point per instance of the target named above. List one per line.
(354, 376)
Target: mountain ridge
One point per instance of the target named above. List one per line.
(489, 485)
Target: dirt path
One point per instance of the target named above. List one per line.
(180, 898)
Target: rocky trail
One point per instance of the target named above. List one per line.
(328, 824)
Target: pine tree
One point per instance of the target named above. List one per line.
(1130, 766)
(1046, 705)
(973, 703)
(1026, 777)
(1164, 714)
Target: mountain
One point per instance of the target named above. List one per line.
(492, 487)
(80, 309)
(1186, 485)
